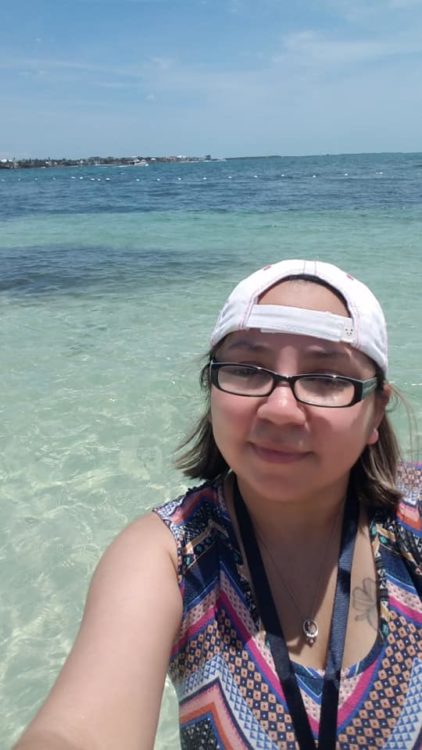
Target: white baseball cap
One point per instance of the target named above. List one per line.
(365, 329)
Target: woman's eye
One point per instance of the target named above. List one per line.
(329, 382)
(241, 371)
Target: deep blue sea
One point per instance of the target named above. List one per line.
(111, 280)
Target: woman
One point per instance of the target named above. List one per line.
(284, 592)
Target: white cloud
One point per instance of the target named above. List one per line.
(122, 2)
(403, 4)
(377, 13)
(163, 63)
(80, 68)
(309, 49)
(53, 70)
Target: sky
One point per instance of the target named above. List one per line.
(219, 77)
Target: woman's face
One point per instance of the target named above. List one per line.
(281, 449)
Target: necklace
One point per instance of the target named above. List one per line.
(309, 624)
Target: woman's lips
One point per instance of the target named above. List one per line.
(279, 455)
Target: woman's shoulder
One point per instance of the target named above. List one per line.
(197, 520)
(409, 512)
(401, 531)
(195, 508)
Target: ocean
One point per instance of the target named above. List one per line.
(111, 280)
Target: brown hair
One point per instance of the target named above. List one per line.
(373, 477)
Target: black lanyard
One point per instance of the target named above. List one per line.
(330, 692)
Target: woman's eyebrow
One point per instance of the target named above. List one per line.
(253, 346)
(257, 346)
(327, 354)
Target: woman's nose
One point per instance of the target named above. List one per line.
(281, 405)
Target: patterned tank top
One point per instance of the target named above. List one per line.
(229, 693)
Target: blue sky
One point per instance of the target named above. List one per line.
(226, 77)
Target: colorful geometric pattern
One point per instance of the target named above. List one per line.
(221, 665)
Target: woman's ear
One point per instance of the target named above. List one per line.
(373, 438)
(384, 397)
(381, 402)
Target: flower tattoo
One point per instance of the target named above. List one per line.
(364, 599)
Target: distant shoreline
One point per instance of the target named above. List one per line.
(101, 161)
(146, 161)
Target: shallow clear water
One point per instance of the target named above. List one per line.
(109, 287)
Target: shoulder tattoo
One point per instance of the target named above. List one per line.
(364, 601)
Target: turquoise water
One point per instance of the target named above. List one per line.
(109, 287)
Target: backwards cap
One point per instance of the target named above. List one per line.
(365, 329)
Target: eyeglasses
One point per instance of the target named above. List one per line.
(332, 391)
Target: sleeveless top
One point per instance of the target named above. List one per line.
(221, 665)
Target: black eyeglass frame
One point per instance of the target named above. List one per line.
(362, 388)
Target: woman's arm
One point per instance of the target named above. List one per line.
(34, 740)
(108, 694)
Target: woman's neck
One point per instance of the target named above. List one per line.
(282, 519)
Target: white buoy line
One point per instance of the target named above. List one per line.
(198, 180)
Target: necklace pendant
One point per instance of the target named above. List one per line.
(310, 629)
